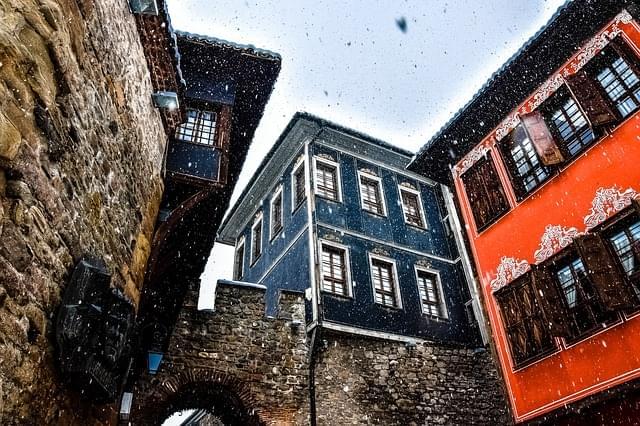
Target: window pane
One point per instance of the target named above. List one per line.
(383, 282)
(199, 127)
(333, 270)
(370, 193)
(327, 185)
(429, 297)
(619, 81)
(412, 209)
(525, 167)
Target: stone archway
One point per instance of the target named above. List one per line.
(220, 394)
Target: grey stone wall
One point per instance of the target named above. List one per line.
(366, 381)
(258, 361)
(81, 149)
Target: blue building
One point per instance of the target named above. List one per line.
(376, 248)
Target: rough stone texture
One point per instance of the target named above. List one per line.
(366, 381)
(81, 149)
(259, 360)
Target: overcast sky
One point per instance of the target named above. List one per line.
(349, 62)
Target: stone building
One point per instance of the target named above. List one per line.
(548, 151)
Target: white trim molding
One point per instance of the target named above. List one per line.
(421, 206)
(444, 312)
(257, 221)
(300, 162)
(347, 266)
(336, 166)
(276, 193)
(396, 280)
(239, 243)
(373, 177)
(372, 333)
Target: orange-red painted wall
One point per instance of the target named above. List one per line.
(603, 360)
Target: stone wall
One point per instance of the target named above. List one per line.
(233, 357)
(366, 381)
(81, 150)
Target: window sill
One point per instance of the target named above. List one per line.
(208, 145)
(324, 197)
(297, 206)
(378, 215)
(416, 227)
(390, 308)
(338, 296)
(254, 261)
(275, 234)
(574, 341)
(516, 368)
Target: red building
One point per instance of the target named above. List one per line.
(545, 166)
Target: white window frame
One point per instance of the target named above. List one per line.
(396, 280)
(300, 163)
(380, 189)
(347, 267)
(420, 206)
(256, 221)
(277, 192)
(336, 166)
(239, 243)
(444, 312)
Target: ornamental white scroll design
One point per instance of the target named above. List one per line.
(554, 239)
(470, 159)
(508, 270)
(551, 85)
(606, 203)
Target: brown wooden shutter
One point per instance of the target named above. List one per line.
(604, 272)
(626, 53)
(591, 99)
(484, 191)
(541, 138)
(550, 301)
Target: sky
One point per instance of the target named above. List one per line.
(350, 62)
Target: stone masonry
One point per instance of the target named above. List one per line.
(366, 381)
(81, 149)
(233, 359)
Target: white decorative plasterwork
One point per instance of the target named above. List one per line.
(470, 159)
(508, 270)
(554, 239)
(424, 262)
(606, 203)
(326, 157)
(369, 171)
(332, 237)
(408, 185)
(379, 251)
(551, 85)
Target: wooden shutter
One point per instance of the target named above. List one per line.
(541, 138)
(591, 99)
(604, 272)
(626, 53)
(485, 193)
(550, 301)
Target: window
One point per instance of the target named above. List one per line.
(238, 264)
(616, 75)
(524, 165)
(485, 193)
(385, 286)
(327, 183)
(568, 123)
(623, 236)
(412, 207)
(525, 326)
(256, 239)
(371, 194)
(430, 293)
(335, 272)
(297, 185)
(585, 312)
(276, 213)
(199, 128)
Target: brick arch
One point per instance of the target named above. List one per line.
(199, 388)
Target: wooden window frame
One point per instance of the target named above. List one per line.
(274, 231)
(346, 271)
(336, 173)
(394, 277)
(258, 221)
(525, 323)
(197, 128)
(300, 166)
(443, 313)
(378, 180)
(421, 209)
(238, 261)
(467, 190)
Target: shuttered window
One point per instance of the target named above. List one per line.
(298, 182)
(256, 240)
(485, 193)
(430, 298)
(618, 79)
(371, 195)
(585, 310)
(200, 127)
(276, 214)
(412, 208)
(326, 181)
(568, 123)
(238, 265)
(526, 330)
(523, 163)
(334, 270)
(384, 285)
